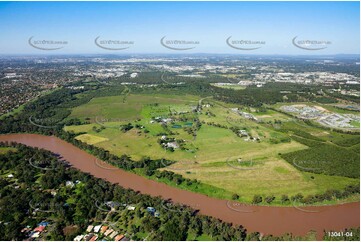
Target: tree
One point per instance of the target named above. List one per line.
(196, 226)
(150, 223)
(148, 172)
(284, 199)
(269, 199)
(298, 197)
(172, 231)
(257, 199)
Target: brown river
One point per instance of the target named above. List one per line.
(265, 219)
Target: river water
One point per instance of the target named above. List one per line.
(265, 219)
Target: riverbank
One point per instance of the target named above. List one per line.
(265, 219)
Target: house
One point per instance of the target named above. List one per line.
(35, 235)
(69, 184)
(87, 237)
(108, 232)
(130, 207)
(119, 237)
(151, 210)
(97, 228)
(166, 120)
(113, 234)
(39, 229)
(112, 204)
(90, 228)
(173, 145)
(26, 230)
(243, 132)
(79, 237)
(103, 229)
(156, 214)
(10, 176)
(94, 238)
(44, 223)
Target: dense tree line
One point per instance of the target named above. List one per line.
(328, 195)
(176, 222)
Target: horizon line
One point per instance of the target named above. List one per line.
(200, 53)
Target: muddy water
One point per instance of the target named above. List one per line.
(267, 220)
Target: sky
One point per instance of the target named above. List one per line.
(206, 24)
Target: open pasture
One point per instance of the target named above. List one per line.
(214, 155)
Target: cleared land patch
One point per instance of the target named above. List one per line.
(4, 150)
(91, 139)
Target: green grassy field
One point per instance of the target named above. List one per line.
(4, 150)
(114, 108)
(213, 156)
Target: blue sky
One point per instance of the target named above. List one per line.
(209, 23)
